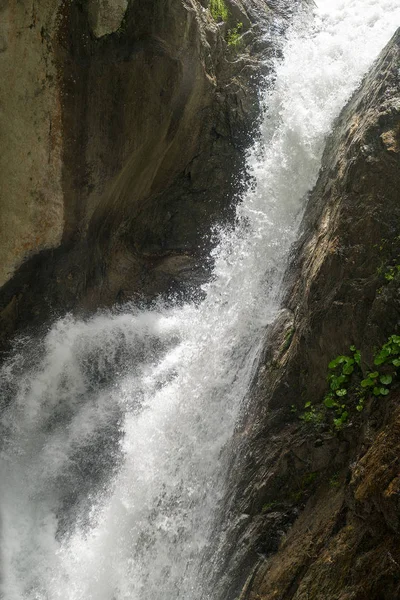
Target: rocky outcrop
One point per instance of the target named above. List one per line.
(31, 195)
(124, 126)
(316, 509)
(106, 16)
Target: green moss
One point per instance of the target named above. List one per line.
(389, 257)
(311, 415)
(233, 37)
(219, 10)
(296, 496)
(303, 487)
(269, 506)
(288, 340)
(334, 481)
(308, 479)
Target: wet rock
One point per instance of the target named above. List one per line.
(343, 541)
(124, 142)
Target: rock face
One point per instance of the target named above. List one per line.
(123, 135)
(31, 200)
(123, 130)
(106, 16)
(316, 509)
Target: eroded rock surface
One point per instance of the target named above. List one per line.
(31, 195)
(106, 16)
(316, 510)
(123, 133)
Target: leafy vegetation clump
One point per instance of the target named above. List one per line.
(334, 481)
(269, 506)
(392, 272)
(219, 10)
(342, 368)
(389, 256)
(312, 415)
(347, 389)
(389, 354)
(233, 37)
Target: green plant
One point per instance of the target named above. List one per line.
(233, 38)
(356, 355)
(334, 481)
(296, 496)
(341, 419)
(308, 479)
(219, 10)
(344, 394)
(377, 382)
(342, 368)
(389, 353)
(303, 486)
(389, 258)
(392, 272)
(360, 395)
(269, 506)
(311, 415)
(288, 338)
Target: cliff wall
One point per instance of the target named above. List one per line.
(124, 126)
(316, 507)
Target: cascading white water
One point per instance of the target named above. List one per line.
(113, 429)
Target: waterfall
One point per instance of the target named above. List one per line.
(114, 428)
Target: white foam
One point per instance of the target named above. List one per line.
(118, 424)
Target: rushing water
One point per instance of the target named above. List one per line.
(113, 428)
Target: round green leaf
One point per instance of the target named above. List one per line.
(386, 379)
(335, 384)
(341, 392)
(379, 360)
(329, 402)
(367, 383)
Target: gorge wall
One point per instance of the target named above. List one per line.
(124, 126)
(124, 129)
(317, 504)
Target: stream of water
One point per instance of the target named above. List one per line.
(113, 428)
